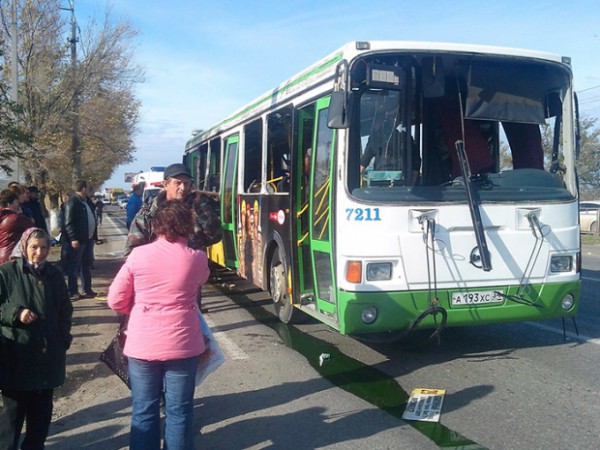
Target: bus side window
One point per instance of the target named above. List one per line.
(279, 138)
(213, 181)
(252, 167)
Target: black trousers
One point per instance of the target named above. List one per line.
(33, 406)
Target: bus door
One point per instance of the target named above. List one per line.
(320, 224)
(228, 201)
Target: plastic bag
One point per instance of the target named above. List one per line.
(212, 357)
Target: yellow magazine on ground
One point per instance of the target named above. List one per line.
(424, 405)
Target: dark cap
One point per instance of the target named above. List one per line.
(33, 189)
(176, 169)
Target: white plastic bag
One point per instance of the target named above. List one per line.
(212, 357)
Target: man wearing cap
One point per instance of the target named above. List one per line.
(177, 185)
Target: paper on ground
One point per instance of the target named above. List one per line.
(424, 405)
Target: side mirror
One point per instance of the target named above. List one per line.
(337, 115)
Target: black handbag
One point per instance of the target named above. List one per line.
(113, 356)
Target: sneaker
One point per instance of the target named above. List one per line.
(90, 294)
(76, 296)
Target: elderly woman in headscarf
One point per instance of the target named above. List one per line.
(35, 333)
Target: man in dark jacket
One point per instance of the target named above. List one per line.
(178, 186)
(77, 239)
(35, 208)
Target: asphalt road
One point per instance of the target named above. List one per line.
(517, 386)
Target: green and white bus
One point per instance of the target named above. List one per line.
(395, 186)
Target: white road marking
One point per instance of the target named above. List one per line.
(230, 348)
(569, 334)
(590, 278)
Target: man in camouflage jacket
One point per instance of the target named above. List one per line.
(178, 186)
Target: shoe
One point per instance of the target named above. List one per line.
(76, 296)
(90, 294)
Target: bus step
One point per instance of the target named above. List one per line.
(306, 299)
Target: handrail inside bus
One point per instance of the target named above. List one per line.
(302, 210)
(322, 191)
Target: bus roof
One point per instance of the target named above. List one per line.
(324, 70)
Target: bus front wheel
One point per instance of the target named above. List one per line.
(279, 290)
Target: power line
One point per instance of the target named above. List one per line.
(589, 89)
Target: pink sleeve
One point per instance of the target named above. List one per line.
(204, 271)
(120, 292)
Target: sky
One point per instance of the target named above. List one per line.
(205, 59)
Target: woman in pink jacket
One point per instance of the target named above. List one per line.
(157, 287)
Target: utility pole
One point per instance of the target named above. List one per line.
(75, 150)
(14, 74)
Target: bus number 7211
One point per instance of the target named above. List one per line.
(359, 214)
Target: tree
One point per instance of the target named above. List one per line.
(11, 135)
(588, 163)
(94, 91)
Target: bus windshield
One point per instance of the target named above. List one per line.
(410, 111)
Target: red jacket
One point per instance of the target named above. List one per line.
(12, 226)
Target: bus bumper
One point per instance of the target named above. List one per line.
(397, 311)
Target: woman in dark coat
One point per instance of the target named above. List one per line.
(35, 333)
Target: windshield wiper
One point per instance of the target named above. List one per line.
(481, 258)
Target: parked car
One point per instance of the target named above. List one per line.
(588, 216)
(122, 202)
(149, 193)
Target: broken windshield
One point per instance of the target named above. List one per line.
(506, 111)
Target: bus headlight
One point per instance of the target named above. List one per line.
(561, 263)
(567, 302)
(369, 315)
(379, 271)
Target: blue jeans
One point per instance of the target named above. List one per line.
(148, 379)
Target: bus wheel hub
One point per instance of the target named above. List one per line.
(277, 283)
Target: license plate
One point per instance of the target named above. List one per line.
(476, 298)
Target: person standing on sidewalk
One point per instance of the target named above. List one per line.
(34, 205)
(78, 239)
(134, 203)
(164, 336)
(12, 223)
(99, 205)
(35, 334)
(178, 186)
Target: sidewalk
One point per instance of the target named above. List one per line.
(92, 409)
(265, 395)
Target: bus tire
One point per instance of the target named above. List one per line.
(278, 289)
